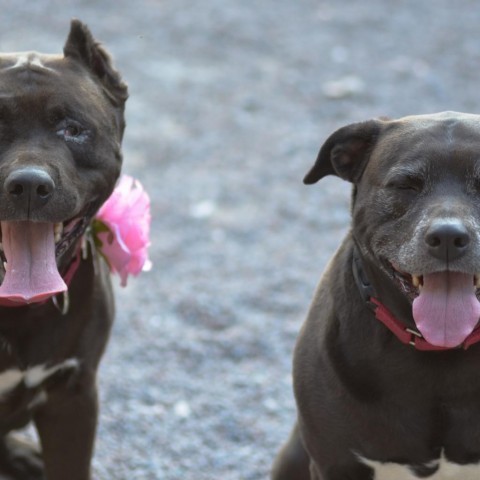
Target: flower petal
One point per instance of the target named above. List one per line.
(127, 215)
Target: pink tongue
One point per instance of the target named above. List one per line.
(32, 274)
(447, 310)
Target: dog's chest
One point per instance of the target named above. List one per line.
(13, 380)
(445, 470)
(33, 376)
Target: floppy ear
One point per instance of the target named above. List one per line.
(81, 46)
(346, 152)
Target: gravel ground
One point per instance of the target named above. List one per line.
(230, 101)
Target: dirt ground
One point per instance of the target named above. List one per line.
(230, 101)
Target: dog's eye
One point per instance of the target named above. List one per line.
(413, 185)
(71, 132)
(408, 187)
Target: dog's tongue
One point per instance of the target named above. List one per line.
(447, 310)
(31, 273)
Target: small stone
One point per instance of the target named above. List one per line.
(271, 404)
(203, 209)
(343, 87)
(182, 409)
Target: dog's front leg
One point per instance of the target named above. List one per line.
(66, 426)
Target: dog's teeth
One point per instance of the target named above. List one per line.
(416, 281)
(58, 230)
(477, 280)
(5, 265)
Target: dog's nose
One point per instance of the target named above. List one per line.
(30, 187)
(447, 240)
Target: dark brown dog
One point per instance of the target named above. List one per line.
(61, 125)
(386, 368)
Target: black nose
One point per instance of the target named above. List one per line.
(29, 187)
(447, 240)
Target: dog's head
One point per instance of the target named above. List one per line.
(61, 126)
(416, 213)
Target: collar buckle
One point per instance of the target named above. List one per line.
(414, 336)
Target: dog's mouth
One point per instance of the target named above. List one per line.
(30, 253)
(412, 284)
(445, 304)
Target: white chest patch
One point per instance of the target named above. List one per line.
(32, 377)
(446, 470)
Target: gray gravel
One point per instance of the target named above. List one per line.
(230, 101)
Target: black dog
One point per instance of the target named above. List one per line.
(61, 125)
(387, 366)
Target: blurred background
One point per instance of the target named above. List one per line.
(230, 102)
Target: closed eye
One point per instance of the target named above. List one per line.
(406, 183)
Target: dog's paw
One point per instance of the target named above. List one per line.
(20, 460)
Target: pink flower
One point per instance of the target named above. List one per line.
(122, 229)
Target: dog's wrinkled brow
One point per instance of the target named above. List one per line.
(407, 171)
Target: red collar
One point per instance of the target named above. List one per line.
(404, 333)
(410, 336)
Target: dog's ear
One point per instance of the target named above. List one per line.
(81, 46)
(346, 152)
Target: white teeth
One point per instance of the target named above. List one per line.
(58, 230)
(416, 281)
(5, 265)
